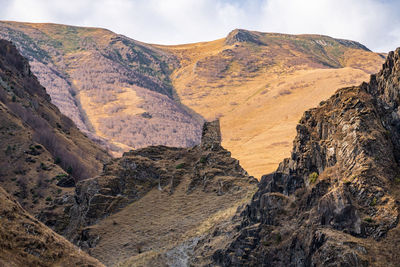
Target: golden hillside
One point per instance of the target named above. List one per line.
(259, 84)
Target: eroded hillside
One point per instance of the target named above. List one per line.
(259, 84)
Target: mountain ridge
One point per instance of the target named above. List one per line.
(240, 35)
(129, 80)
(197, 81)
(260, 91)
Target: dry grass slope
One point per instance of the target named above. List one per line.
(259, 84)
(150, 206)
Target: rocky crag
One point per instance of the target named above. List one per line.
(163, 172)
(335, 201)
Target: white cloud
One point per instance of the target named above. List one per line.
(374, 23)
(367, 21)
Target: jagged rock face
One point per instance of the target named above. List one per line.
(335, 201)
(211, 136)
(208, 167)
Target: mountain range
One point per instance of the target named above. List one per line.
(334, 201)
(126, 94)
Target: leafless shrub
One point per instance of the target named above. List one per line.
(3, 95)
(58, 148)
(115, 108)
(284, 92)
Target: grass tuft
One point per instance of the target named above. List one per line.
(312, 177)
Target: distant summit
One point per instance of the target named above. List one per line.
(260, 38)
(240, 36)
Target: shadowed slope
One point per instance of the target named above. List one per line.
(39, 146)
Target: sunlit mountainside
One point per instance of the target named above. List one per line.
(126, 94)
(259, 84)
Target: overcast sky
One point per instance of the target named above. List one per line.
(374, 23)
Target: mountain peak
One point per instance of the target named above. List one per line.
(242, 36)
(385, 84)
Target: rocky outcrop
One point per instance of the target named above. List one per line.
(211, 136)
(335, 201)
(241, 36)
(208, 167)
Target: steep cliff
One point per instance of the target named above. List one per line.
(335, 201)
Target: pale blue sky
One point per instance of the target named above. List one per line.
(374, 23)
